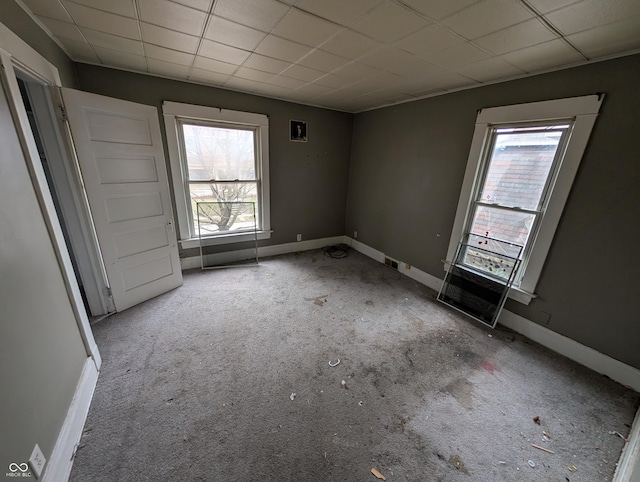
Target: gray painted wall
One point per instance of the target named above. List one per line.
(16, 19)
(41, 352)
(407, 167)
(308, 180)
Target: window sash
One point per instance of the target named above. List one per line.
(180, 122)
(563, 126)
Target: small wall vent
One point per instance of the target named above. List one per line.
(390, 262)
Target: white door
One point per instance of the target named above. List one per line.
(121, 158)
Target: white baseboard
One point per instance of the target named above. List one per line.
(59, 466)
(263, 251)
(614, 369)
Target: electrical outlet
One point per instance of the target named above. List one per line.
(298, 237)
(355, 235)
(37, 461)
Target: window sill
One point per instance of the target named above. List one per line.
(223, 239)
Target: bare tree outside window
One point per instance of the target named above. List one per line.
(222, 168)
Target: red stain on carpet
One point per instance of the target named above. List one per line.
(488, 366)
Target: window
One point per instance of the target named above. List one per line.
(521, 165)
(218, 156)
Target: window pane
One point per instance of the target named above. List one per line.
(235, 217)
(519, 167)
(218, 153)
(510, 226)
(495, 258)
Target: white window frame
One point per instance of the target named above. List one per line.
(583, 111)
(174, 111)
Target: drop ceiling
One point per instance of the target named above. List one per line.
(350, 55)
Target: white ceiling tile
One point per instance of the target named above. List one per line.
(203, 5)
(301, 72)
(207, 77)
(231, 33)
(168, 55)
(121, 59)
(355, 71)
(266, 64)
(260, 14)
(546, 6)
(609, 39)
(172, 15)
(490, 69)
(430, 39)
(324, 61)
(379, 81)
(125, 8)
(112, 42)
(304, 28)
(519, 36)
(167, 69)
(312, 90)
(205, 63)
(168, 38)
(333, 81)
(282, 49)
(252, 74)
(349, 44)
(592, 13)
(543, 56)
(62, 30)
(48, 9)
(396, 61)
(224, 53)
(339, 11)
(287, 82)
(389, 22)
(486, 17)
(270, 90)
(80, 51)
(103, 21)
(437, 9)
(457, 56)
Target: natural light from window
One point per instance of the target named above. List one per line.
(221, 163)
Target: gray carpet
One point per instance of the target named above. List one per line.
(197, 384)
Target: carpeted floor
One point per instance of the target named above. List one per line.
(228, 379)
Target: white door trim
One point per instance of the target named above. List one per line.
(15, 52)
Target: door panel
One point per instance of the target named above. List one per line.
(121, 157)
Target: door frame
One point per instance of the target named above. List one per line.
(17, 55)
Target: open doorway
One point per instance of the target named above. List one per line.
(66, 187)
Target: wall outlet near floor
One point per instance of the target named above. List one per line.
(298, 237)
(355, 235)
(390, 262)
(37, 461)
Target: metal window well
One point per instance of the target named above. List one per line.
(478, 280)
(227, 218)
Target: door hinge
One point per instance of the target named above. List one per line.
(63, 113)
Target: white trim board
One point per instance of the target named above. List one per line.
(61, 460)
(596, 361)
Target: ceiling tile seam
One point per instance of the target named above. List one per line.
(136, 7)
(201, 38)
(264, 39)
(185, 5)
(46, 30)
(98, 9)
(547, 23)
(354, 21)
